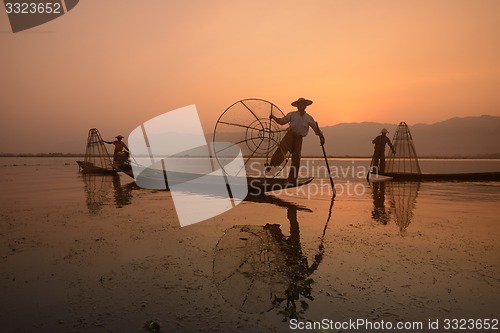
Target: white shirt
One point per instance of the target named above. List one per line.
(299, 124)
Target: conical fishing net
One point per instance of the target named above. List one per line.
(96, 156)
(405, 159)
(246, 125)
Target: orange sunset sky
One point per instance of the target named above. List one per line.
(114, 64)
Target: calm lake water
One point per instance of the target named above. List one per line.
(98, 254)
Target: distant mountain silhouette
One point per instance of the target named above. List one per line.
(456, 137)
(470, 136)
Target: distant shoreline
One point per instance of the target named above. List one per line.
(42, 155)
(82, 155)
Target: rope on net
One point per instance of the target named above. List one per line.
(96, 154)
(405, 159)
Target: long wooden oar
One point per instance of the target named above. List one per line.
(321, 248)
(370, 168)
(327, 166)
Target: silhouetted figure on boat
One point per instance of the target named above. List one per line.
(119, 155)
(300, 121)
(379, 152)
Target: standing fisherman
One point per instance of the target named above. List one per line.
(119, 146)
(379, 153)
(300, 121)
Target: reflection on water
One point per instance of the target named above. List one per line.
(258, 268)
(379, 212)
(122, 194)
(403, 196)
(98, 186)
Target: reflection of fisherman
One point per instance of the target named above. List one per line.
(379, 153)
(297, 267)
(300, 121)
(379, 213)
(267, 265)
(295, 255)
(119, 155)
(296, 261)
(122, 194)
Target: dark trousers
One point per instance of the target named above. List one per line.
(289, 144)
(379, 161)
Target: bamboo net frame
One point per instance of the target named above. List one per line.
(405, 159)
(97, 158)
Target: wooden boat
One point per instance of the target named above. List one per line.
(153, 178)
(475, 176)
(87, 167)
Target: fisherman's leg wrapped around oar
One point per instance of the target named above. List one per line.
(283, 149)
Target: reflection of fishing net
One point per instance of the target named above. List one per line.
(249, 268)
(405, 160)
(403, 198)
(246, 124)
(97, 159)
(97, 188)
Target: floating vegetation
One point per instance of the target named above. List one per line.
(152, 326)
